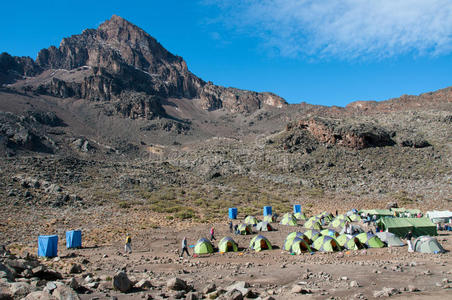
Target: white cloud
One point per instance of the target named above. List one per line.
(345, 29)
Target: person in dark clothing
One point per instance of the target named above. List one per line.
(230, 226)
(184, 247)
(336, 212)
(408, 238)
(236, 229)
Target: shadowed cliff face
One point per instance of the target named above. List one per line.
(120, 57)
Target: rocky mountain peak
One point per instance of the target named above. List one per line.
(119, 58)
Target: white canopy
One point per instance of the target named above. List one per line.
(438, 216)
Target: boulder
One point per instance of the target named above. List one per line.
(75, 269)
(7, 272)
(39, 295)
(241, 286)
(121, 282)
(209, 288)
(177, 284)
(18, 289)
(232, 295)
(143, 284)
(64, 292)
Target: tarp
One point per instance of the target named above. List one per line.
(48, 245)
(203, 246)
(73, 239)
(377, 212)
(437, 216)
(227, 244)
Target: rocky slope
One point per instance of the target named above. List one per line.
(116, 61)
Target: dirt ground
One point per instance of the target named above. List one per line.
(341, 275)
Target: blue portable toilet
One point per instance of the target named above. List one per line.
(233, 213)
(74, 239)
(267, 210)
(296, 208)
(48, 245)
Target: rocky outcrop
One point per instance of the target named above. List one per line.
(335, 132)
(14, 68)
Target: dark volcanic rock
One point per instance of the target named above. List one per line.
(13, 68)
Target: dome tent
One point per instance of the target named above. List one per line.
(326, 244)
(329, 232)
(300, 216)
(251, 220)
(203, 246)
(349, 242)
(291, 236)
(338, 223)
(299, 245)
(244, 229)
(370, 240)
(288, 219)
(269, 218)
(313, 225)
(428, 244)
(227, 244)
(312, 234)
(390, 239)
(259, 243)
(264, 226)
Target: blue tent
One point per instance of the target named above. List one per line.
(73, 239)
(48, 245)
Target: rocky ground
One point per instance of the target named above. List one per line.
(154, 270)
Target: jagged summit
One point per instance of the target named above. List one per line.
(119, 59)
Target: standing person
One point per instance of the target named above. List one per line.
(128, 245)
(184, 247)
(230, 226)
(212, 234)
(236, 229)
(408, 238)
(336, 212)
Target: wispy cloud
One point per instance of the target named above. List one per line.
(346, 29)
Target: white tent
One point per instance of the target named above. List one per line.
(437, 216)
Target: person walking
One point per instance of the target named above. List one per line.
(230, 226)
(128, 245)
(212, 234)
(184, 247)
(408, 238)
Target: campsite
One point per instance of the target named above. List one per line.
(361, 273)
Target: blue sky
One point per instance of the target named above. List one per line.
(318, 51)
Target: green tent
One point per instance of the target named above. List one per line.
(354, 218)
(338, 223)
(329, 232)
(401, 226)
(299, 246)
(269, 218)
(291, 236)
(227, 244)
(349, 242)
(313, 224)
(259, 243)
(390, 239)
(264, 226)
(377, 212)
(203, 246)
(300, 216)
(312, 234)
(343, 218)
(428, 244)
(326, 244)
(422, 226)
(398, 226)
(251, 220)
(370, 240)
(244, 229)
(288, 219)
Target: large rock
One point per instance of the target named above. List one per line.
(7, 272)
(241, 286)
(19, 289)
(177, 284)
(121, 282)
(39, 295)
(64, 292)
(233, 294)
